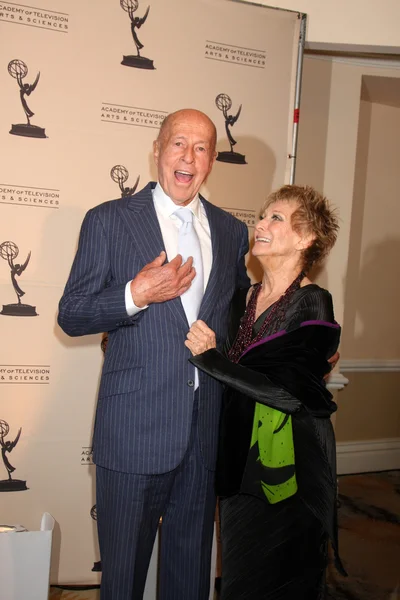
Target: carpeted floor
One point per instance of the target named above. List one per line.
(369, 519)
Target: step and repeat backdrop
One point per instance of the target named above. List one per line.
(84, 92)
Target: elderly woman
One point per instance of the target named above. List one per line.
(276, 472)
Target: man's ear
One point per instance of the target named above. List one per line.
(212, 161)
(156, 150)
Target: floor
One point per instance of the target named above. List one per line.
(369, 519)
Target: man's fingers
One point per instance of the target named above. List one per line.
(159, 282)
(182, 290)
(176, 262)
(185, 267)
(157, 262)
(186, 281)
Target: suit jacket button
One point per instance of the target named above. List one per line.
(190, 383)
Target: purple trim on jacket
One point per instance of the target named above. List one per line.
(267, 339)
(284, 332)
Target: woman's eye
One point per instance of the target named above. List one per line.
(276, 218)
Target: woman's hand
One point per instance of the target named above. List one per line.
(200, 338)
(333, 361)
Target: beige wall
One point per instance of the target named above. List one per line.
(369, 23)
(327, 153)
(371, 323)
(349, 149)
(369, 407)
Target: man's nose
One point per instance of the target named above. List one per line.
(188, 155)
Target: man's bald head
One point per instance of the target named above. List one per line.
(186, 114)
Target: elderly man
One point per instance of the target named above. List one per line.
(146, 268)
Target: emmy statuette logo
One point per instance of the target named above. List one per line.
(224, 103)
(120, 174)
(9, 252)
(19, 70)
(97, 565)
(138, 61)
(10, 484)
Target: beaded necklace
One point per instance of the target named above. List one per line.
(244, 335)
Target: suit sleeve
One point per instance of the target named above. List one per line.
(91, 303)
(243, 280)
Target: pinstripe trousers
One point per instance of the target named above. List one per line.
(129, 507)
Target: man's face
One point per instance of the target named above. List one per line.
(184, 155)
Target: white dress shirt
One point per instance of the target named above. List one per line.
(170, 224)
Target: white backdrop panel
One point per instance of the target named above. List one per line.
(97, 113)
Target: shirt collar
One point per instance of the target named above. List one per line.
(167, 207)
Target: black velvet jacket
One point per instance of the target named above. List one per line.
(284, 371)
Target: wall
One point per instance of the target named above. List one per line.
(372, 327)
(342, 22)
(349, 148)
(370, 408)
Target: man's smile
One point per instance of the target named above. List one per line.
(183, 176)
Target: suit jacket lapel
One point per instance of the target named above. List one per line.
(213, 281)
(139, 215)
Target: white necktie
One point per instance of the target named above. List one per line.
(189, 245)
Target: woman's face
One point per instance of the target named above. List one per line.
(274, 235)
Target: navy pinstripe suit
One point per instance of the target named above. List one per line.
(149, 420)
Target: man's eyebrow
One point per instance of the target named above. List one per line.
(204, 142)
(184, 137)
